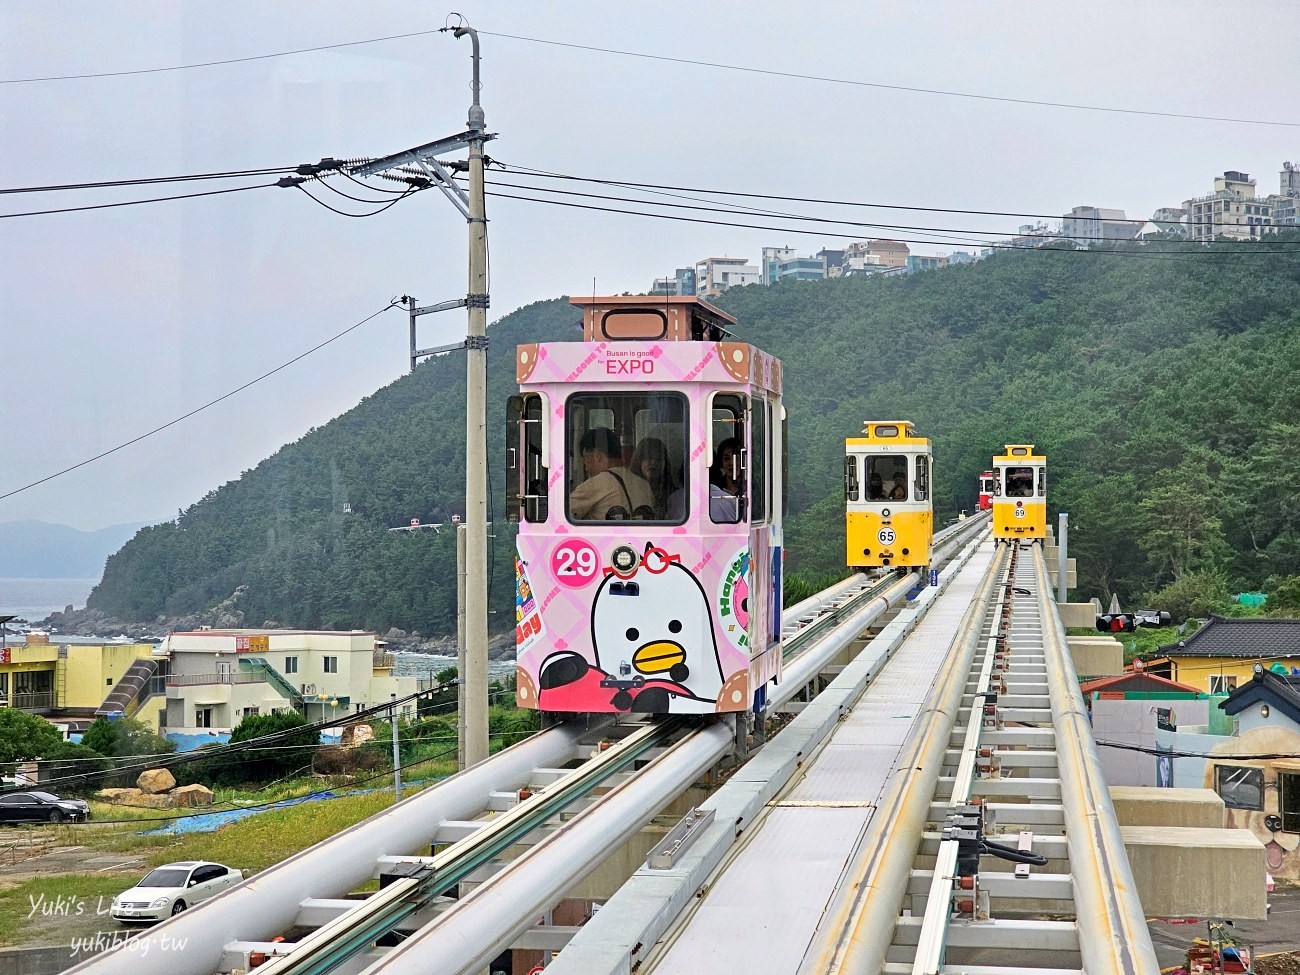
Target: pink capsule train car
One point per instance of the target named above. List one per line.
(645, 467)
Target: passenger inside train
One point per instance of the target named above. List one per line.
(611, 492)
(724, 483)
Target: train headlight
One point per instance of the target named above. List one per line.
(884, 512)
(624, 560)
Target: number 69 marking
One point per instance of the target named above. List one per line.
(886, 536)
(575, 563)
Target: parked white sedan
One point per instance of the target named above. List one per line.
(171, 888)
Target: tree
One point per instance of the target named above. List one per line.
(125, 736)
(25, 736)
(80, 767)
(270, 761)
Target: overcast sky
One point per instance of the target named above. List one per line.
(116, 321)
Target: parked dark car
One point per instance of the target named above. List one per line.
(41, 807)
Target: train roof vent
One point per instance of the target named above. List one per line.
(888, 430)
(1019, 449)
(652, 318)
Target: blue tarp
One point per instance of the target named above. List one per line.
(207, 822)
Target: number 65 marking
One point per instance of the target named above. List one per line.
(886, 536)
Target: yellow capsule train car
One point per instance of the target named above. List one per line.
(890, 518)
(1019, 494)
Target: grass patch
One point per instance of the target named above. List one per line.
(57, 909)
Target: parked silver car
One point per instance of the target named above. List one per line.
(171, 888)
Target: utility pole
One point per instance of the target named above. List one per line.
(397, 760)
(474, 681)
(413, 163)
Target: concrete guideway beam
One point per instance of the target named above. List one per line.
(465, 937)
(1113, 933)
(639, 914)
(267, 904)
(858, 929)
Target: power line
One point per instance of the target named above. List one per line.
(129, 203)
(197, 410)
(747, 69)
(148, 180)
(212, 64)
(629, 184)
(701, 205)
(1193, 252)
(344, 213)
(875, 84)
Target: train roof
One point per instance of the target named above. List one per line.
(887, 431)
(1019, 451)
(652, 318)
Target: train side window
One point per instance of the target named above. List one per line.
(527, 471)
(886, 477)
(997, 483)
(922, 478)
(627, 453)
(1020, 482)
(758, 461)
(851, 487)
(727, 471)
(1042, 482)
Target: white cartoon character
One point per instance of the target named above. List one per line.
(653, 636)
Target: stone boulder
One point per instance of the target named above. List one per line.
(161, 800)
(192, 795)
(156, 780)
(356, 734)
(116, 795)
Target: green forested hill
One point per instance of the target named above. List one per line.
(1162, 386)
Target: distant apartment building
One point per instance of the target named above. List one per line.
(219, 677)
(962, 257)
(1231, 211)
(1170, 220)
(784, 264)
(887, 253)
(925, 262)
(833, 259)
(714, 275)
(1033, 235)
(1285, 203)
(1087, 225)
(681, 283)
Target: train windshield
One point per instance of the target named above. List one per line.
(886, 477)
(626, 457)
(1020, 482)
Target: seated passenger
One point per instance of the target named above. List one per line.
(899, 493)
(725, 506)
(611, 492)
(650, 462)
(875, 488)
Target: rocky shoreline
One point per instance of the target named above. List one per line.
(226, 615)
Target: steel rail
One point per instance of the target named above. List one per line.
(354, 930)
(1113, 934)
(469, 934)
(858, 928)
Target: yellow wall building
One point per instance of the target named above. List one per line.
(1222, 654)
(45, 673)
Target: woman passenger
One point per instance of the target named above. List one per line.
(650, 461)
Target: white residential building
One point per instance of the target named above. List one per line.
(1230, 211)
(219, 677)
(1091, 225)
(714, 275)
